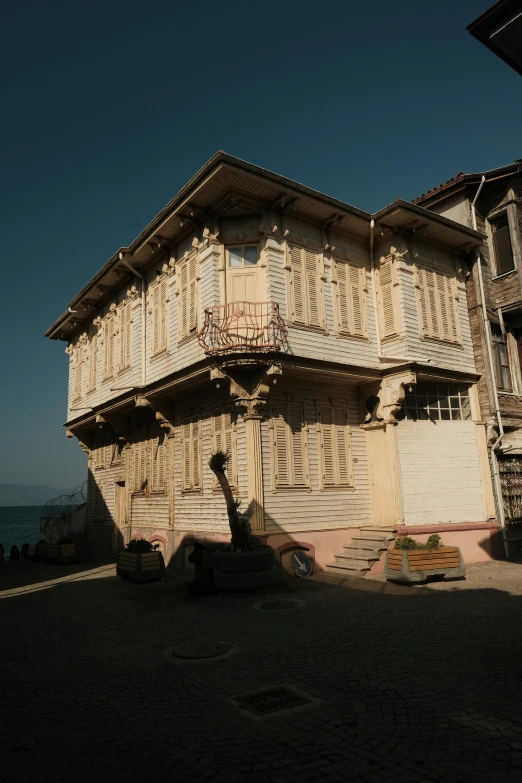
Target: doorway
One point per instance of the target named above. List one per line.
(243, 278)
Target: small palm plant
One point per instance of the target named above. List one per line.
(242, 538)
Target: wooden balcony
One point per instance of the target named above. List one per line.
(243, 327)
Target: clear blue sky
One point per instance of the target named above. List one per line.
(109, 108)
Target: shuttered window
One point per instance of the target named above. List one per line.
(191, 453)
(188, 280)
(108, 348)
(125, 337)
(159, 317)
(77, 372)
(290, 447)
(438, 305)
(387, 298)
(306, 290)
(504, 260)
(150, 460)
(336, 457)
(100, 449)
(93, 359)
(224, 439)
(350, 280)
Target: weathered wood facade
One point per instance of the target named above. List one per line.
(287, 328)
(492, 202)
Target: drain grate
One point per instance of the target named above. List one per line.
(275, 700)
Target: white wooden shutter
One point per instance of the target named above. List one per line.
(196, 454)
(157, 448)
(186, 452)
(297, 445)
(224, 440)
(343, 309)
(125, 336)
(438, 304)
(98, 510)
(93, 356)
(282, 469)
(183, 300)
(351, 306)
(454, 309)
(386, 293)
(342, 446)
(77, 373)
(297, 283)
(162, 315)
(192, 293)
(108, 348)
(423, 301)
(327, 445)
(311, 262)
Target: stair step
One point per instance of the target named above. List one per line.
(355, 557)
(371, 535)
(371, 544)
(344, 571)
(374, 529)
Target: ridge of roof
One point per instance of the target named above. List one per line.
(463, 178)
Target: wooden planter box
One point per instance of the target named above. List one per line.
(38, 552)
(144, 567)
(417, 565)
(63, 553)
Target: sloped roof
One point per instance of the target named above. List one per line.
(462, 179)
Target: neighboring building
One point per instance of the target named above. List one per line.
(500, 29)
(492, 201)
(328, 351)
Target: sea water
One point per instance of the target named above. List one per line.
(19, 525)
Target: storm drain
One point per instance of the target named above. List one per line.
(279, 604)
(276, 700)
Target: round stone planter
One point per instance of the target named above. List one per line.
(244, 570)
(62, 553)
(141, 567)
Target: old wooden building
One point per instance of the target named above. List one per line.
(327, 350)
(492, 202)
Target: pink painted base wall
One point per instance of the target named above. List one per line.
(323, 545)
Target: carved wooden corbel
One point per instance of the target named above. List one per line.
(163, 408)
(392, 393)
(249, 391)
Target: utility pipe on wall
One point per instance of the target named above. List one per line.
(498, 416)
(143, 319)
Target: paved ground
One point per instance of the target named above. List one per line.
(415, 683)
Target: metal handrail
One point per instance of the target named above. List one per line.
(243, 327)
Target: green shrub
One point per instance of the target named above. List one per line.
(405, 543)
(433, 542)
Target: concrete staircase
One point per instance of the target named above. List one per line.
(363, 552)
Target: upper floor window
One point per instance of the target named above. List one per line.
(187, 292)
(350, 280)
(502, 247)
(149, 453)
(305, 287)
(501, 359)
(125, 336)
(242, 256)
(108, 347)
(438, 305)
(387, 297)
(92, 363)
(159, 317)
(437, 402)
(77, 372)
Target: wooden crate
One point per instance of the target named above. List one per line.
(141, 567)
(418, 565)
(63, 553)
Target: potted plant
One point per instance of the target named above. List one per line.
(245, 562)
(39, 551)
(63, 552)
(410, 561)
(141, 561)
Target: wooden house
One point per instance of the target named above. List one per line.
(328, 351)
(492, 202)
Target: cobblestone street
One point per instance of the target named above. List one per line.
(412, 683)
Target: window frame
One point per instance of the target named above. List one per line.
(490, 222)
(242, 245)
(307, 321)
(394, 284)
(192, 485)
(432, 391)
(350, 265)
(332, 428)
(232, 472)
(152, 437)
(159, 322)
(108, 347)
(497, 331)
(286, 432)
(189, 329)
(451, 298)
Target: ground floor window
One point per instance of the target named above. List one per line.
(437, 402)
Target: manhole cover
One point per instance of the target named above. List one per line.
(195, 650)
(275, 700)
(279, 604)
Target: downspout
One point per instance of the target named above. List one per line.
(143, 319)
(498, 416)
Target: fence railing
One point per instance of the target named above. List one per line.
(243, 327)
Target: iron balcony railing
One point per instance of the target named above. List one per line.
(243, 327)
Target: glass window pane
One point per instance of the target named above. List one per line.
(466, 410)
(455, 414)
(503, 249)
(445, 414)
(423, 415)
(235, 256)
(250, 255)
(455, 403)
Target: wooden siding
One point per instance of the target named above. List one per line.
(150, 512)
(440, 472)
(293, 510)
